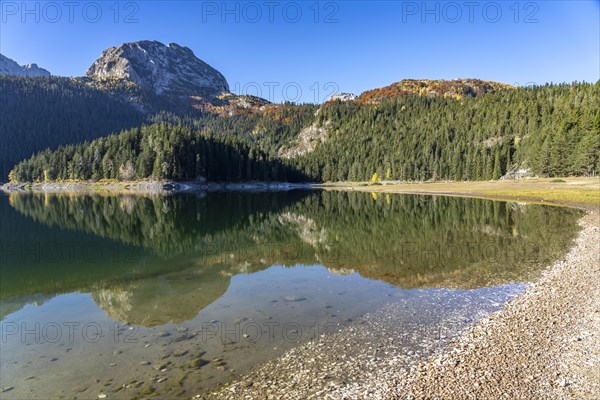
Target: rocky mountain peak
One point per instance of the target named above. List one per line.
(10, 67)
(171, 69)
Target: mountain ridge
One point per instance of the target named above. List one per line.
(9, 66)
(175, 70)
(392, 122)
(454, 88)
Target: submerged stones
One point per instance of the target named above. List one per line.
(161, 367)
(197, 362)
(292, 299)
(179, 353)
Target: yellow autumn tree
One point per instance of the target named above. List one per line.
(388, 174)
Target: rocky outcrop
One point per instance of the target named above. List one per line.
(10, 67)
(307, 141)
(171, 69)
(343, 97)
(517, 173)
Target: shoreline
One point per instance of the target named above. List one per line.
(571, 192)
(149, 187)
(567, 191)
(545, 343)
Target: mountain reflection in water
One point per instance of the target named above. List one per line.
(149, 260)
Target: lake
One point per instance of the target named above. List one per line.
(132, 296)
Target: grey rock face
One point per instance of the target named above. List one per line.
(343, 97)
(10, 67)
(171, 69)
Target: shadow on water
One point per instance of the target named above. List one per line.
(148, 260)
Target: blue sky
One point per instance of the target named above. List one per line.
(278, 49)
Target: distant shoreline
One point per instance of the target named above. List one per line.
(568, 191)
(148, 187)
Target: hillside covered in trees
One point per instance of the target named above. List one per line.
(45, 112)
(553, 130)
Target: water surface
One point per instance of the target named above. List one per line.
(170, 295)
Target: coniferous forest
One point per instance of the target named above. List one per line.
(40, 113)
(552, 130)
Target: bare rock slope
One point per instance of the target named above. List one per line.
(171, 69)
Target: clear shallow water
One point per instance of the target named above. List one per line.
(129, 295)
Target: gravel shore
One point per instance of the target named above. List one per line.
(545, 344)
(542, 344)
